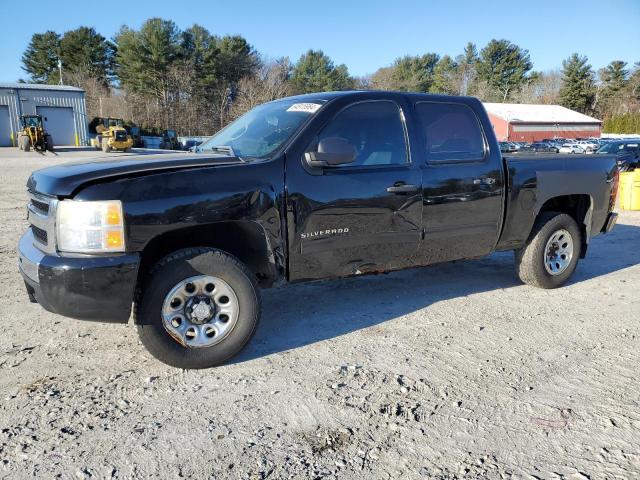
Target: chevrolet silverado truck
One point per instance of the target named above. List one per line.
(310, 187)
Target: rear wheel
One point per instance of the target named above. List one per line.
(49, 143)
(551, 254)
(199, 307)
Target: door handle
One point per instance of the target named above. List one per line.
(403, 188)
(485, 180)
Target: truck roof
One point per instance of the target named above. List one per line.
(327, 96)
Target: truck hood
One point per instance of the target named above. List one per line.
(64, 179)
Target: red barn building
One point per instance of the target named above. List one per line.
(517, 122)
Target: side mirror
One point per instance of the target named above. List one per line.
(331, 152)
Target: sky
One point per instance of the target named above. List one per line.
(364, 35)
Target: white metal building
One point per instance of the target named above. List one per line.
(62, 105)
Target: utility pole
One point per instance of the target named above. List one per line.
(60, 69)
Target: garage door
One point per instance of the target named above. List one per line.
(59, 124)
(5, 127)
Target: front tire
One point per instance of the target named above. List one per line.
(25, 143)
(552, 252)
(198, 308)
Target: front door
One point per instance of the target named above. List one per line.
(359, 217)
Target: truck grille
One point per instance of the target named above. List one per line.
(40, 235)
(43, 207)
(41, 213)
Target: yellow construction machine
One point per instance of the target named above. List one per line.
(111, 135)
(33, 134)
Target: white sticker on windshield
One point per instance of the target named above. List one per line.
(304, 107)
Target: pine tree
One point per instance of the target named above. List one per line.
(315, 72)
(613, 80)
(577, 90)
(84, 50)
(40, 59)
(444, 77)
(503, 66)
(467, 63)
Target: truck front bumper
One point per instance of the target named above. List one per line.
(99, 288)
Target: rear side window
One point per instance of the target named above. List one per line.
(376, 131)
(451, 132)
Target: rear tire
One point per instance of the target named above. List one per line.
(540, 262)
(49, 143)
(168, 276)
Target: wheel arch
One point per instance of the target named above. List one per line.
(577, 206)
(245, 240)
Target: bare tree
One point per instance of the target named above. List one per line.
(269, 83)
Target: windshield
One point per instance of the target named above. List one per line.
(32, 121)
(263, 130)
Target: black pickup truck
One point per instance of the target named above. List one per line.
(310, 187)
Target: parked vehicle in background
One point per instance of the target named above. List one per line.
(170, 140)
(589, 146)
(136, 135)
(507, 147)
(540, 147)
(33, 134)
(317, 186)
(627, 153)
(191, 145)
(571, 148)
(111, 135)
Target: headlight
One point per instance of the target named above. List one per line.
(90, 227)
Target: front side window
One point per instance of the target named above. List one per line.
(376, 131)
(451, 132)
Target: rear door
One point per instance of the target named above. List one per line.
(58, 122)
(463, 184)
(360, 217)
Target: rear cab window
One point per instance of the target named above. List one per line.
(451, 132)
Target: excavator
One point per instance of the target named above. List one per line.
(33, 134)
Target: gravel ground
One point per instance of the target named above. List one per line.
(455, 371)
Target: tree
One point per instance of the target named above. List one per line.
(270, 82)
(467, 66)
(613, 82)
(633, 85)
(146, 61)
(143, 57)
(85, 50)
(408, 73)
(445, 79)
(40, 59)
(503, 66)
(541, 87)
(315, 72)
(577, 91)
